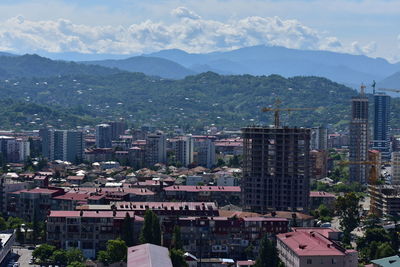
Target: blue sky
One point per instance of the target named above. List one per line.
(370, 27)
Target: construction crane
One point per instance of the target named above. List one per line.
(389, 90)
(277, 110)
(373, 176)
(373, 86)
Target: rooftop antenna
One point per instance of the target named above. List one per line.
(373, 86)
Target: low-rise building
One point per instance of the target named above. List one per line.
(318, 162)
(31, 204)
(7, 239)
(384, 199)
(317, 198)
(7, 186)
(87, 230)
(76, 179)
(221, 194)
(311, 247)
(98, 154)
(163, 210)
(223, 237)
(296, 219)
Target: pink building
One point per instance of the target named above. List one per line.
(312, 247)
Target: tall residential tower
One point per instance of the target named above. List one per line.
(359, 137)
(276, 168)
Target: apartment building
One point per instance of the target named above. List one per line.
(87, 230)
(311, 247)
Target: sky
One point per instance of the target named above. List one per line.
(368, 27)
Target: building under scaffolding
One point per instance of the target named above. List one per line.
(385, 199)
(359, 138)
(276, 168)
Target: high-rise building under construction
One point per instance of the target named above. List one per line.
(359, 138)
(276, 171)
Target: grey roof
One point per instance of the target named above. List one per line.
(393, 261)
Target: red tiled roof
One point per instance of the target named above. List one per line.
(40, 178)
(323, 231)
(245, 263)
(289, 215)
(194, 188)
(92, 214)
(135, 191)
(39, 191)
(45, 173)
(314, 243)
(96, 197)
(165, 205)
(75, 178)
(264, 219)
(229, 144)
(73, 196)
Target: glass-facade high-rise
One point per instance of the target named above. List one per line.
(381, 141)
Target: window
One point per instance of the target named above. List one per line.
(309, 261)
(334, 261)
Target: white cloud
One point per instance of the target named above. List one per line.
(191, 33)
(183, 12)
(361, 50)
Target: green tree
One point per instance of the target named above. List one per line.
(177, 258)
(19, 236)
(59, 257)
(234, 162)
(14, 222)
(220, 163)
(384, 250)
(116, 252)
(127, 230)
(76, 264)
(249, 251)
(176, 241)
(267, 254)
(35, 228)
(104, 257)
(3, 224)
(348, 209)
(151, 231)
(371, 251)
(146, 235)
(74, 255)
(156, 230)
(43, 252)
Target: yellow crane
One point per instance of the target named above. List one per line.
(373, 176)
(389, 90)
(277, 110)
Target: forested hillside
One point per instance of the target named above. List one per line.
(208, 98)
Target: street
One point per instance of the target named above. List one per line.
(24, 256)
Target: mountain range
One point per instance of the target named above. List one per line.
(265, 60)
(12, 66)
(351, 70)
(152, 66)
